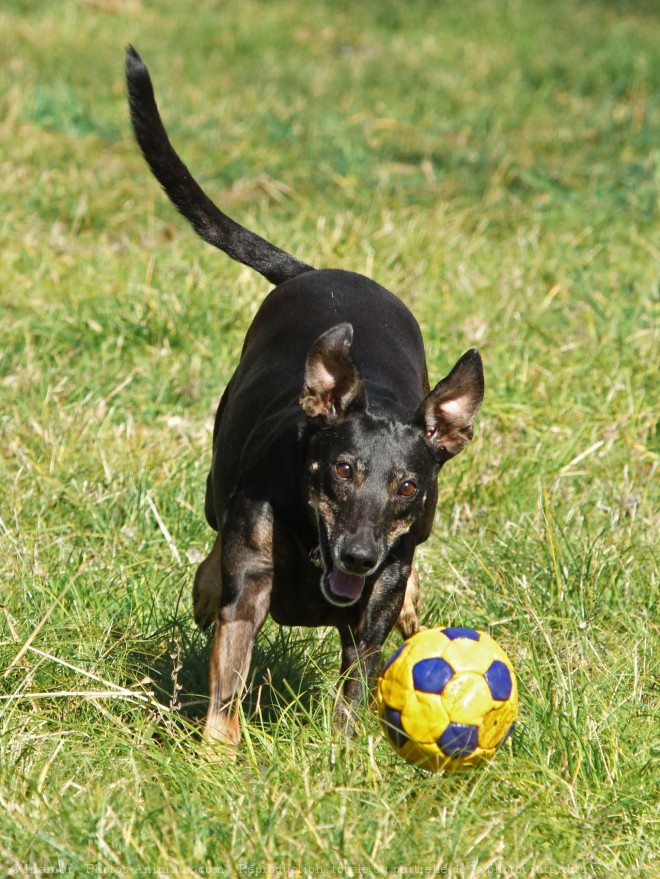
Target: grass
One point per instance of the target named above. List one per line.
(498, 166)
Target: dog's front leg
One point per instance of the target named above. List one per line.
(362, 640)
(247, 577)
(359, 663)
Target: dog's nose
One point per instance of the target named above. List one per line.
(359, 554)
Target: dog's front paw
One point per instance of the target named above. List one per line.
(220, 738)
(222, 729)
(344, 720)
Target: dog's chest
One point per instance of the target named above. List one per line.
(296, 598)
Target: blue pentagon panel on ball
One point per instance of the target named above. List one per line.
(461, 632)
(393, 727)
(459, 739)
(432, 675)
(498, 678)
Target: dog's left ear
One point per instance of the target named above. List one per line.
(447, 413)
(333, 383)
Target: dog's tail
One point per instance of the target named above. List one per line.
(187, 196)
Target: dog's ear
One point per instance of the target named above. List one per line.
(447, 413)
(333, 385)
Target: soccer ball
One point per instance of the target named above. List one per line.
(447, 698)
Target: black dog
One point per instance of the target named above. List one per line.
(326, 450)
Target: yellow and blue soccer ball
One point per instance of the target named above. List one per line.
(447, 698)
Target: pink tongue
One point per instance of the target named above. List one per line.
(345, 585)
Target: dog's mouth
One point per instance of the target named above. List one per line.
(344, 586)
(339, 587)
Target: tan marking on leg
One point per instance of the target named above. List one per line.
(408, 624)
(207, 588)
(240, 609)
(231, 653)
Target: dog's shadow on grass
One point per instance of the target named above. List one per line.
(290, 669)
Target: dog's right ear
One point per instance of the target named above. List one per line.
(333, 385)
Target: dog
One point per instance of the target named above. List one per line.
(327, 445)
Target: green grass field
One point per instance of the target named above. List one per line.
(497, 164)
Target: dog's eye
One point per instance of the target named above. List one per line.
(344, 470)
(407, 488)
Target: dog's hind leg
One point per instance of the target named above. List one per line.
(207, 588)
(408, 624)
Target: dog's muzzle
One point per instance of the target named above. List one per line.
(338, 586)
(345, 586)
